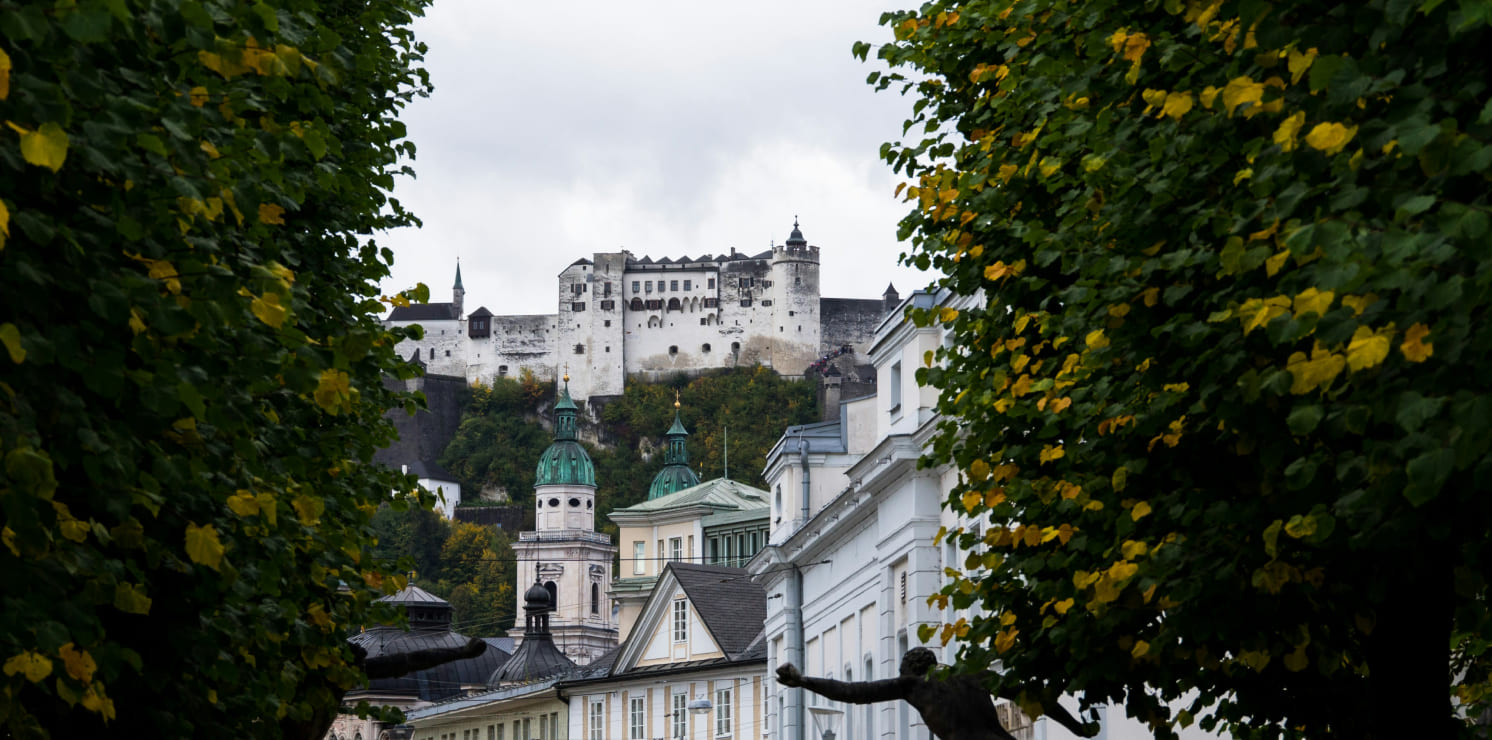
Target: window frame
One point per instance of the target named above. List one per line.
(723, 712)
(636, 718)
(680, 620)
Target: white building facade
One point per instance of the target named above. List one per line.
(619, 316)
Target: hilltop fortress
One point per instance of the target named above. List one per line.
(621, 317)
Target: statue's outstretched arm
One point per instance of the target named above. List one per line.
(862, 692)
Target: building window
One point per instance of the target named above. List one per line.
(608, 306)
(722, 713)
(648, 286)
(636, 287)
(448, 353)
(635, 711)
(710, 284)
(655, 304)
(745, 301)
(595, 598)
(688, 285)
(675, 549)
(895, 387)
(580, 349)
(680, 620)
(607, 323)
(432, 353)
(714, 550)
(578, 306)
(673, 349)
(636, 304)
(673, 285)
(767, 302)
(639, 555)
(766, 283)
(680, 714)
(705, 348)
(598, 720)
(674, 305)
(712, 303)
(502, 370)
(577, 288)
(606, 289)
(735, 347)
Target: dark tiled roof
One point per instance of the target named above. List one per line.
(600, 667)
(414, 595)
(732, 606)
(763, 256)
(432, 684)
(430, 469)
(535, 658)
(480, 312)
(581, 261)
(425, 312)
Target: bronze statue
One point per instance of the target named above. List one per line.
(956, 707)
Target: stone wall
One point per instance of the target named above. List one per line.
(424, 436)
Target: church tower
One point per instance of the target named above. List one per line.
(458, 293)
(675, 475)
(565, 554)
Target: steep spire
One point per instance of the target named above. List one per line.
(565, 462)
(675, 475)
(458, 286)
(795, 239)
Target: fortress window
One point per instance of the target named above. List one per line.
(448, 353)
(579, 349)
(608, 306)
(766, 283)
(608, 349)
(578, 306)
(712, 303)
(767, 302)
(608, 323)
(502, 370)
(705, 348)
(648, 285)
(674, 305)
(735, 347)
(688, 285)
(432, 353)
(797, 280)
(673, 349)
(636, 304)
(710, 284)
(745, 301)
(636, 287)
(606, 289)
(701, 322)
(790, 313)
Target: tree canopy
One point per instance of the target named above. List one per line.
(1225, 405)
(190, 381)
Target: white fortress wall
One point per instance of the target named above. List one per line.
(517, 343)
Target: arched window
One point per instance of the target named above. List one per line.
(735, 347)
(635, 305)
(595, 598)
(553, 595)
(654, 322)
(673, 305)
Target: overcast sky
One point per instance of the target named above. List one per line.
(667, 128)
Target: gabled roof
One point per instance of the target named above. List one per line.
(581, 261)
(414, 595)
(425, 312)
(732, 606)
(718, 493)
(479, 313)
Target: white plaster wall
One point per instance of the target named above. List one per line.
(447, 495)
(447, 340)
(550, 518)
(517, 342)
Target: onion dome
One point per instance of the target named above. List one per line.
(537, 657)
(675, 475)
(795, 239)
(565, 462)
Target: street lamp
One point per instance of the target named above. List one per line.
(825, 720)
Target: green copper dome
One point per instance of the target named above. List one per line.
(675, 475)
(565, 462)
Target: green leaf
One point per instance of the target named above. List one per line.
(1427, 475)
(1303, 419)
(1417, 204)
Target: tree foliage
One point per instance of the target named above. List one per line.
(1225, 405)
(469, 565)
(500, 437)
(191, 386)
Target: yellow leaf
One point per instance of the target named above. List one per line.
(1243, 174)
(1177, 105)
(1132, 549)
(1316, 371)
(978, 470)
(1315, 301)
(10, 336)
(1299, 63)
(1208, 95)
(1000, 270)
(1140, 510)
(308, 509)
(1274, 263)
(137, 320)
(1330, 137)
(1368, 348)
(971, 500)
(198, 96)
(79, 663)
(1241, 90)
(1134, 46)
(4, 223)
(1141, 647)
(1050, 453)
(1359, 303)
(1415, 348)
(8, 535)
(1119, 479)
(1005, 640)
(45, 147)
(4, 75)
(1297, 660)
(131, 599)
(1083, 579)
(1007, 171)
(333, 391)
(1096, 339)
(270, 213)
(947, 315)
(1152, 98)
(1049, 166)
(244, 504)
(1255, 313)
(1289, 131)
(1301, 526)
(268, 309)
(202, 545)
(1063, 605)
(319, 617)
(95, 701)
(34, 666)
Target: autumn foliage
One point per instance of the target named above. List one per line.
(192, 365)
(1225, 405)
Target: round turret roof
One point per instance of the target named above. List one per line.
(537, 597)
(670, 479)
(565, 462)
